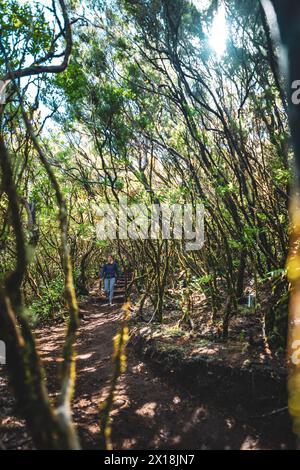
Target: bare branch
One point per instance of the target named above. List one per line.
(37, 69)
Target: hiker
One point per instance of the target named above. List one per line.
(109, 273)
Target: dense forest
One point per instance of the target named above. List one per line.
(155, 104)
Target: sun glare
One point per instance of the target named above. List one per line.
(218, 32)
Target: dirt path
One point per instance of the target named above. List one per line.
(148, 412)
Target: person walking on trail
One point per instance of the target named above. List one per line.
(109, 273)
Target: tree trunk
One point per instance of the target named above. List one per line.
(288, 19)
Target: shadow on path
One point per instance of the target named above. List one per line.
(148, 412)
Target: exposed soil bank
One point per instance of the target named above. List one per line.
(209, 375)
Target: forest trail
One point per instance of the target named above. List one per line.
(179, 165)
(148, 412)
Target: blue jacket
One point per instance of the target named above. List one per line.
(109, 270)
